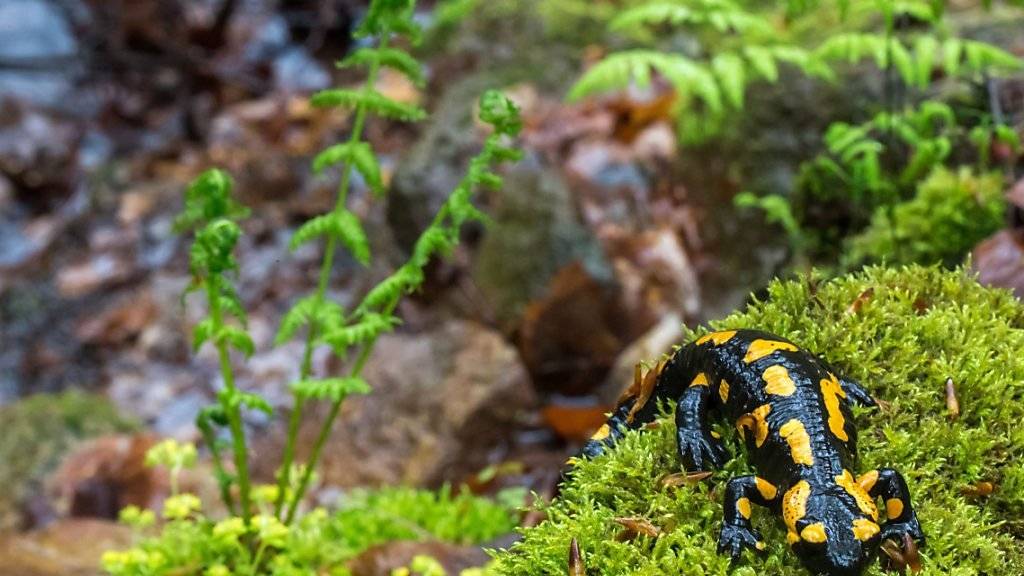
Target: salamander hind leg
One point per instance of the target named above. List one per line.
(698, 449)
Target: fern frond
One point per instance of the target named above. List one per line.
(403, 281)
(723, 16)
(202, 332)
(237, 339)
(324, 313)
(336, 389)
(731, 75)
(357, 154)
(372, 101)
(980, 56)
(368, 328)
(398, 60)
(208, 198)
(342, 225)
(635, 66)
(386, 17)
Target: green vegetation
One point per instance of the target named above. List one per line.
(950, 214)
(901, 332)
(711, 52)
(870, 169)
(264, 533)
(37, 432)
(318, 543)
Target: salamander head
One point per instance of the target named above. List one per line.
(835, 537)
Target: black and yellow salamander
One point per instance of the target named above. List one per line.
(792, 411)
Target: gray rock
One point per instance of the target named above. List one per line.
(536, 232)
(441, 402)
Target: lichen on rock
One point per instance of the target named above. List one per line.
(902, 333)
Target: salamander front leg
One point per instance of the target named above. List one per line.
(698, 449)
(737, 531)
(901, 518)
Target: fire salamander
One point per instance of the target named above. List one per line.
(791, 409)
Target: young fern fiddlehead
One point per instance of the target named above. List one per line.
(375, 314)
(212, 214)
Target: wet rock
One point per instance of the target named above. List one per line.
(163, 396)
(103, 475)
(435, 164)
(99, 271)
(570, 335)
(381, 560)
(35, 32)
(67, 548)
(37, 154)
(536, 233)
(37, 432)
(647, 349)
(999, 261)
(441, 402)
(119, 322)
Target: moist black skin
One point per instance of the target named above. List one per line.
(792, 410)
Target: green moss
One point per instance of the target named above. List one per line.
(319, 542)
(40, 429)
(950, 214)
(916, 327)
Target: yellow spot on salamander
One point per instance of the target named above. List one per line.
(893, 508)
(760, 348)
(756, 422)
(601, 433)
(700, 380)
(792, 538)
(814, 533)
(864, 501)
(778, 381)
(723, 391)
(864, 529)
(743, 505)
(794, 505)
(767, 490)
(831, 391)
(759, 545)
(799, 442)
(867, 481)
(718, 338)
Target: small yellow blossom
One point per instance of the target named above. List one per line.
(181, 506)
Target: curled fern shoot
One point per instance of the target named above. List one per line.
(211, 213)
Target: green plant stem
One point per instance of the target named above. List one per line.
(328, 425)
(284, 475)
(221, 473)
(232, 409)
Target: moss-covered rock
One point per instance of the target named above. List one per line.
(901, 333)
(36, 432)
(951, 212)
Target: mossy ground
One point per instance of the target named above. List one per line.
(37, 431)
(910, 329)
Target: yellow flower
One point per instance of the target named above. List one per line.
(137, 517)
(181, 506)
(229, 530)
(270, 531)
(217, 570)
